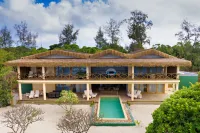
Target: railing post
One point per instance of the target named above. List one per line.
(43, 72)
(18, 72)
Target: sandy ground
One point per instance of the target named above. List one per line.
(53, 113)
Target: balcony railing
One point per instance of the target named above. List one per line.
(97, 76)
(36, 76)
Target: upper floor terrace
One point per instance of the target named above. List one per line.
(97, 73)
(105, 65)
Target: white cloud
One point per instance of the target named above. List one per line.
(49, 21)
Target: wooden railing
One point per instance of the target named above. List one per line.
(36, 76)
(103, 76)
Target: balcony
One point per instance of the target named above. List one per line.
(97, 76)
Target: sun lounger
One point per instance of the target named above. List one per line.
(30, 74)
(37, 94)
(85, 94)
(136, 94)
(92, 94)
(31, 94)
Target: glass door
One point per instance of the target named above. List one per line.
(160, 88)
(152, 88)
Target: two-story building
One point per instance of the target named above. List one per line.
(147, 70)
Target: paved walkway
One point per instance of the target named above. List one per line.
(54, 112)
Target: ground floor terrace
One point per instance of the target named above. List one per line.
(91, 91)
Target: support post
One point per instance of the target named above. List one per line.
(20, 91)
(18, 72)
(133, 72)
(88, 88)
(166, 87)
(177, 86)
(43, 72)
(132, 92)
(44, 91)
(177, 71)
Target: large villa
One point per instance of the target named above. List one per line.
(143, 74)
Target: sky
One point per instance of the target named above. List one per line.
(48, 17)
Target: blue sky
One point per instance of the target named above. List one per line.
(89, 16)
(46, 2)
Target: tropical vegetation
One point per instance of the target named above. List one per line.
(179, 113)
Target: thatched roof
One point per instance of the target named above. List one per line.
(109, 51)
(58, 52)
(95, 60)
(148, 52)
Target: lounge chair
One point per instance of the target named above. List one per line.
(31, 94)
(30, 74)
(92, 94)
(85, 94)
(37, 94)
(135, 94)
(139, 95)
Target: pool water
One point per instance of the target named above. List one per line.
(110, 107)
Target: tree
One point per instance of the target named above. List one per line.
(178, 114)
(6, 38)
(25, 37)
(112, 31)
(67, 35)
(5, 93)
(99, 39)
(189, 33)
(76, 121)
(19, 118)
(72, 47)
(55, 46)
(67, 97)
(137, 28)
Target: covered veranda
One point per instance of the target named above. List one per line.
(121, 93)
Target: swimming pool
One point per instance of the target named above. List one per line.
(111, 108)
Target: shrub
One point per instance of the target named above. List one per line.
(5, 92)
(92, 103)
(180, 113)
(67, 97)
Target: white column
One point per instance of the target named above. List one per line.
(166, 87)
(177, 86)
(88, 88)
(87, 72)
(177, 71)
(173, 86)
(18, 72)
(132, 92)
(43, 72)
(44, 91)
(132, 72)
(20, 91)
